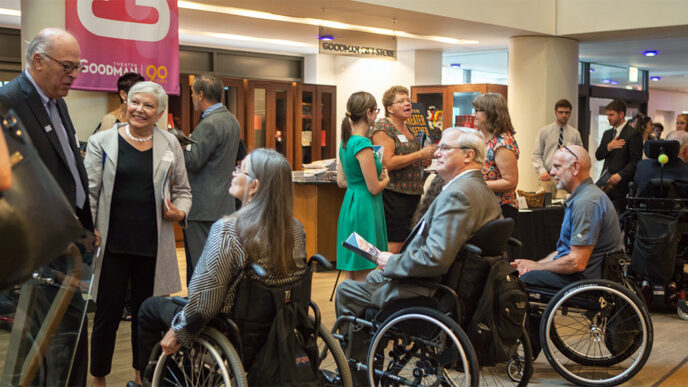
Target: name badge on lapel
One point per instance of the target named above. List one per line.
(168, 156)
(48, 128)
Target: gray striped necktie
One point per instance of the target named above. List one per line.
(561, 137)
(63, 136)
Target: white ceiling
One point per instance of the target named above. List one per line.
(615, 48)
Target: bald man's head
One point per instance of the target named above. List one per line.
(570, 167)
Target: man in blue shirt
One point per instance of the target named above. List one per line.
(589, 231)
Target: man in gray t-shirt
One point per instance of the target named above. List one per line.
(589, 231)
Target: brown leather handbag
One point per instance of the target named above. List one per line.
(37, 222)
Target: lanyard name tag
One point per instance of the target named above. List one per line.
(402, 138)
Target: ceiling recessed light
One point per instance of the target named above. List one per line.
(455, 65)
(614, 82)
(325, 37)
(650, 53)
(655, 78)
(606, 81)
(592, 70)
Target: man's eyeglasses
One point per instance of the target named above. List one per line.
(69, 67)
(570, 151)
(444, 147)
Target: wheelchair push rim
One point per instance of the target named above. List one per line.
(571, 358)
(448, 333)
(205, 364)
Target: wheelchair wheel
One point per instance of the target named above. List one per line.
(211, 361)
(421, 347)
(519, 368)
(596, 332)
(334, 367)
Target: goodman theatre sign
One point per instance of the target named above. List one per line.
(358, 44)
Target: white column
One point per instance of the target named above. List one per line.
(428, 67)
(542, 70)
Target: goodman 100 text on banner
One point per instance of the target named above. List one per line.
(358, 44)
(122, 36)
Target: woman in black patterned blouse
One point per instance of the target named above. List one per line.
(256, 233)
(404, 159)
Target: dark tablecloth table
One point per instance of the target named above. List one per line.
(538, 230)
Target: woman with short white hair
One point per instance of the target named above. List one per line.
(129, 167)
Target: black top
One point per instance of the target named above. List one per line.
(133, 228)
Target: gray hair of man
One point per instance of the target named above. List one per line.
(43, 43)
(210, 86)
(150, 88)
(471, 139)
(680, 136)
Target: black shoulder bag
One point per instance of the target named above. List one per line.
(37, 222)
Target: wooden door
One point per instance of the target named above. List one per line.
(270, 117)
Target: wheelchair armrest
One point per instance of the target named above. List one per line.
(321, 260)
(437, 286)
(515, 242)
(181, 301)
(471, 248)
(259, 270)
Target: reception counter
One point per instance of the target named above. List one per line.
(316, 206)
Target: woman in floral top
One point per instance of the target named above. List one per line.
(500, 169)
(405, 160)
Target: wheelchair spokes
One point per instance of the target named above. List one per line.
(200, 365)
(435, 353)
(606, 344)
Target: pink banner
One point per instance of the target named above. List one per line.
(119, 36)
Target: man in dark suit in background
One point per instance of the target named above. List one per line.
(52, 64)
(621, 148)
(209, 164)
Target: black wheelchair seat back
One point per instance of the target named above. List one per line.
(468, 273)
(654, 148)
(256, 306)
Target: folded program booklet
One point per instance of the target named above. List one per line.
(362, 247)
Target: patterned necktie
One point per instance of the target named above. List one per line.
(63, 137)
(561, 137)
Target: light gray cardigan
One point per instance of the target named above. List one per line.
(101, 166)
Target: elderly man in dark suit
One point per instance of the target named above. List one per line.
(464, 206)
(621, 148)
(52, 64)
(209, 164)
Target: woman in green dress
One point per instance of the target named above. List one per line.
(360, 171)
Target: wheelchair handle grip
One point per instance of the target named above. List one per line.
(471, 248)
(321, 260)
(181, 301)
(259, 270)
(515, 242)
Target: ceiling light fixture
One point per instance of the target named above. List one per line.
(244, 38)
(315, 22)
(655, 78)
(10, 12)
(592, 70)
(606, 81)
(455, 65)
(325, 37)
(650, 53)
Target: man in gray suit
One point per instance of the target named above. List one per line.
(209, 165)
(464, 206)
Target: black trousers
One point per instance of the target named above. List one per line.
(155, 316)
(117, 272)
(195, 235)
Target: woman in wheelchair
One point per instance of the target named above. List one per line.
(262, 232)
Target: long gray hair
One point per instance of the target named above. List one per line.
(266, 222)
